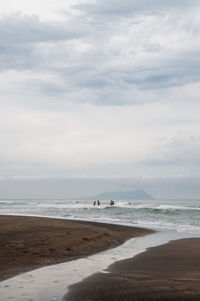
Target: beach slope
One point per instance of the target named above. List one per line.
(27, 243)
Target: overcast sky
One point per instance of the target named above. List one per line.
(98, 96)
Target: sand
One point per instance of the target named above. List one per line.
(168, 272)
(27, 243)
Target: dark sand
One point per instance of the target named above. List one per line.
(27, 243)
(168, 272)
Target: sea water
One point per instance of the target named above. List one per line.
(181, 215)
(174, 219)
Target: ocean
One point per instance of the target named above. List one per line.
(180, 215)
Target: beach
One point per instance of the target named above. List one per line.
(27, 243)
(167, 272)
(170, 272)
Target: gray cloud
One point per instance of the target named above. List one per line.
(109, 63)
(22, 29)
(23, 37)
(171, 72)
(119, 8)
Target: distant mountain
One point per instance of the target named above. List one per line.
(138, 194)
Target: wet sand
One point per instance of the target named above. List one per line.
(27, 243)
(168, 272)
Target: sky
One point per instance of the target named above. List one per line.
(99, 95)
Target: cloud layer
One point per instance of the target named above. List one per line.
(107, 88)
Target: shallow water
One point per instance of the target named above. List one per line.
(51, 283)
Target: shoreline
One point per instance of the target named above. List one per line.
(28, 243)
(153, 270)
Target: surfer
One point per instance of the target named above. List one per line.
(112, 203)
(94, 203)
(98, 203)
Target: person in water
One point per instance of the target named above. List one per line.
(112, 203)
(98, 203)
(94, 203)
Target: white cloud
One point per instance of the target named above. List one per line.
(46, 10)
